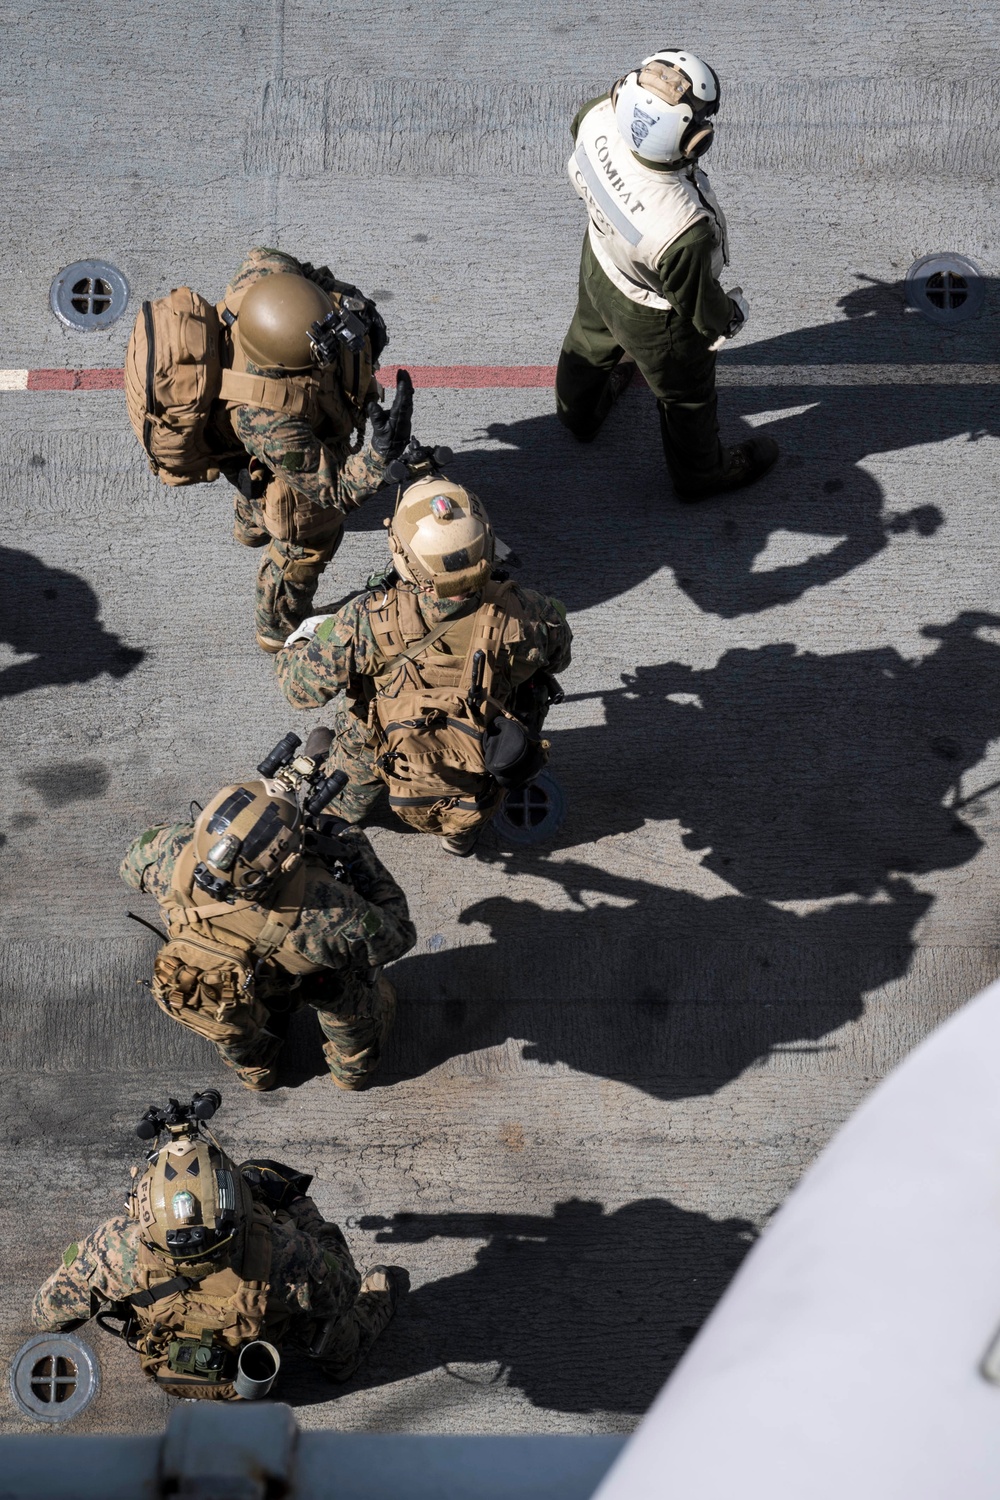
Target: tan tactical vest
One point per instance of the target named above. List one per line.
(636, 213)
(226, 1309)
(204, 976)
(428, 719)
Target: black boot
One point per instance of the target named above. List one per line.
(743, 465)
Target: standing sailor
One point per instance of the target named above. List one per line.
(649, 293)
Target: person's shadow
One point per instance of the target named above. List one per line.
(584, 1311)
(796, 775)
(796, 778)
(663, 990)
(52, 617)
(592, 521)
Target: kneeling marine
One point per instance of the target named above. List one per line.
(446, 668)
(271, 905)
(214, 1267)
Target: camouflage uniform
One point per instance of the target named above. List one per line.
(349, 935)
(344, 653)
(312, 476)
(312, 1274)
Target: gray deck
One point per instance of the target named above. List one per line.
(614, 1056)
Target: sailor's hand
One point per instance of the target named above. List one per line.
(739, 319)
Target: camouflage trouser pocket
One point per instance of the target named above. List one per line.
(279, 509)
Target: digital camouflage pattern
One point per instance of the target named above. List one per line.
(347, 933)
(346, 653)
(318, 465)
(312, 1274)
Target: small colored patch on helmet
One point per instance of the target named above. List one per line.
(371, 923)
(293, 461)
(148, 837)
(324, 631)
(70, 1254)
(183, 1206)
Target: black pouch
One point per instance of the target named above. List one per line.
(512, 757)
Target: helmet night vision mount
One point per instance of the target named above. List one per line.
(252, 832)
(355, 320)
(179, 1119)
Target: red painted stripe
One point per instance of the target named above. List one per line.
(75, 380)
(472, 377)
(428, 377)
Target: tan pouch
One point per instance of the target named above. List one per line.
(208, 988)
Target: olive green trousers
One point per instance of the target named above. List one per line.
(670, 354)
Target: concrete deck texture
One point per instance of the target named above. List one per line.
(616, 1053)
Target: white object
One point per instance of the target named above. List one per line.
(307, 629)
(648, 124)
(847, 1356)
(636, 213)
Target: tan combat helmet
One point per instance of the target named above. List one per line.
(248, 834)
(441, 535)
(191, 1203)
(275, 316)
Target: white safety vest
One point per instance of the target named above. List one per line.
(637, 213)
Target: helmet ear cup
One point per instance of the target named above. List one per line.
(697, 138)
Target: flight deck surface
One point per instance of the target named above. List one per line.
(615, 1053)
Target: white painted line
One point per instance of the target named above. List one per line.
(13, 380)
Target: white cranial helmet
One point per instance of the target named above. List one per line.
(663, 108)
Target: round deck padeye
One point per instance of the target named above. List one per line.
(531, 814)
(54, 1376)
(89, 295)
(946, 288)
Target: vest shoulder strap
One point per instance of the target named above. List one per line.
(240, 388)
(162, 1289)
(488, 631)
(396, 641)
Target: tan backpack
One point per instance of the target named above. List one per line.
(432, 708)
(175, 372)
(204, 975)
(178, 1317)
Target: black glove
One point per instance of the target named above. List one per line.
(360, 862)
(391, 429)
(272, 1183)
